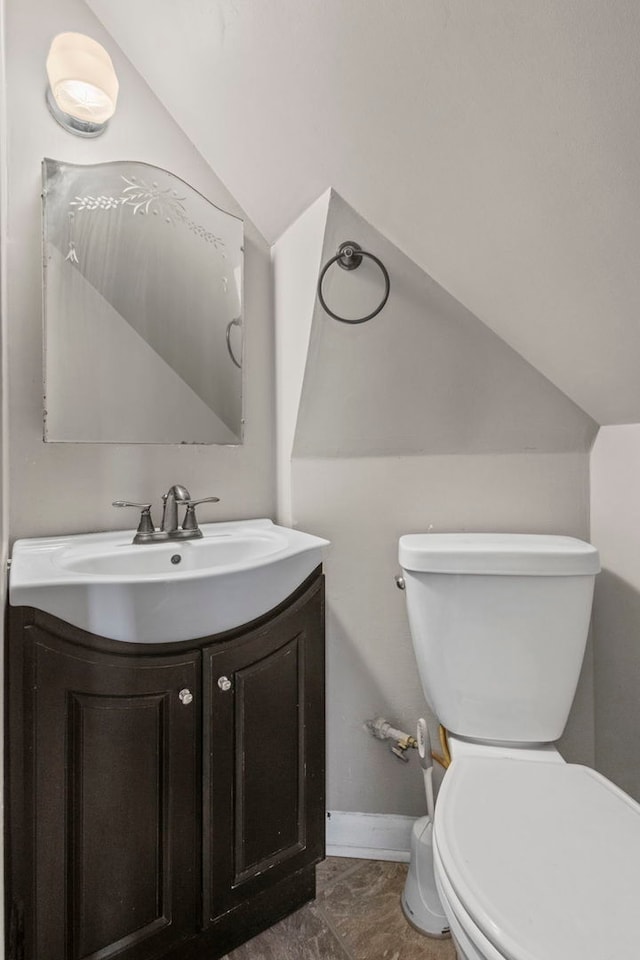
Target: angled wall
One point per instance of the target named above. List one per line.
(296, 263)
(424, 376)
(419, 419)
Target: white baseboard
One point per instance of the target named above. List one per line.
(369, 836)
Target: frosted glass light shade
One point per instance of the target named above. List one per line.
(83, 86)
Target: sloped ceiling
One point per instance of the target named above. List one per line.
(496, 143)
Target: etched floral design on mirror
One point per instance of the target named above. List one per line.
(143, 308)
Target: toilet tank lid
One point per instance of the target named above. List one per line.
(515, 554)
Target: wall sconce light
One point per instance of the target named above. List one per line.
(83, 86)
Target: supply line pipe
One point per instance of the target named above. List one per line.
(426, 762)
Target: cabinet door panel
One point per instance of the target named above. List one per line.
(115, 782)
(117, 750)
(270, 749)
(264, 755)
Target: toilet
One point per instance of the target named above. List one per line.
(534, 858)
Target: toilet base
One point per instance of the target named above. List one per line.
(420, 901)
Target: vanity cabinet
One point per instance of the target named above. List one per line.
(164, 801)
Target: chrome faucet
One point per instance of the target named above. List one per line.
(169, 528)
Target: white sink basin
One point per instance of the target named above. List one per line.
(168, 591)
(215, 553)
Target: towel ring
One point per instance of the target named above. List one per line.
(233, 323)
(349, 257)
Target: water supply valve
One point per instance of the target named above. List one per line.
(381, 729)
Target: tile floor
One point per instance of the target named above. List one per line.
(356, 916)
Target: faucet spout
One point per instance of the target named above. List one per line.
(175, 495)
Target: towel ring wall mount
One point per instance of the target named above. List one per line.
(349, 257)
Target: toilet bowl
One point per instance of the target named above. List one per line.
(534, 858)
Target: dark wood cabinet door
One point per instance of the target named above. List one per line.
(263, 780)
(112, 785)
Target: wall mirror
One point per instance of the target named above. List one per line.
(142, 308)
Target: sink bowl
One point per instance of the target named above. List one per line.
(217, 552)
(168, 591)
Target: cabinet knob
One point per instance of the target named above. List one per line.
(224, 683)
(185, 696)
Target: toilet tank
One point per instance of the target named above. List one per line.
(499, 624)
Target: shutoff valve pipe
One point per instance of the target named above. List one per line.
(402, 742)
(382, 730)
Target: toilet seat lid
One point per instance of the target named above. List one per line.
(544, 857)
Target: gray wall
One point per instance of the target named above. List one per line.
(421, 418)
(64, 488)
(615, 526)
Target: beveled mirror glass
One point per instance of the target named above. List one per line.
(142, 308)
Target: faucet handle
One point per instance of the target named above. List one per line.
(145, 526)
(190, 523)
(127, 503)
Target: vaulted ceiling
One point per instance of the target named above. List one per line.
(497, 143)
